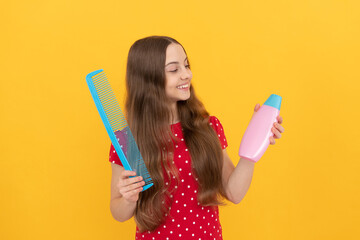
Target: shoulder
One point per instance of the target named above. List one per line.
(217, 126)
(215, 122)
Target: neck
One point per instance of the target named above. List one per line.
(174, 117)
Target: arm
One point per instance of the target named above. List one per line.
(122, 207)
(236, 180)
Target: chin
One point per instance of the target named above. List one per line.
(186, 98)
(182, 97)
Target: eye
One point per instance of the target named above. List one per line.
(187, 66)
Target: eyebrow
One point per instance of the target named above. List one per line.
(175, 62)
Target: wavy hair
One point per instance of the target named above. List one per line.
(148, 113)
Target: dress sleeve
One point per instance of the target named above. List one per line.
(216, 125)
(113, 157)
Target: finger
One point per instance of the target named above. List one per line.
(280, 119)
(272, 140)
(130, 181)
(276, 132)
(132, 193)
(257, 107)
(279, 127)
(132, 187)
(126, 174)
(127, 177)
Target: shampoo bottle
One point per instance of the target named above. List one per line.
(256, 137)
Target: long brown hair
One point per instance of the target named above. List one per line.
(148, 114)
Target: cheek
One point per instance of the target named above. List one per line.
(169, 89)
(170, 83)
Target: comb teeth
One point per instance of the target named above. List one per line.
(108, 101)
(116, 126)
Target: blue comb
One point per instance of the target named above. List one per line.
(116, 126)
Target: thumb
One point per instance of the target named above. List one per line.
(257, 107)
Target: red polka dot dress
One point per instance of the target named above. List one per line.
(187, 218)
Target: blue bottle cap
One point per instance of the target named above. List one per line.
(274, 101)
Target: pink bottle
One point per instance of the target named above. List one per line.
(256, 137)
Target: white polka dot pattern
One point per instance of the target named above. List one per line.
(187, 218)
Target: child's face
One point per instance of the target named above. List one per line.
(178, 74)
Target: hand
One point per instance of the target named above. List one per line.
(130, 187)
(277, 129)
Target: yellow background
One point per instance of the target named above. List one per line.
(54, 169)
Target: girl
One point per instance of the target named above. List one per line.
(183, 148)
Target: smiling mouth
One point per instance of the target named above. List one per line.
(183, 86)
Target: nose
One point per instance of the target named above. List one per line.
(186, 74)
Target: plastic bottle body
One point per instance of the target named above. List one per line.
(256, 137)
